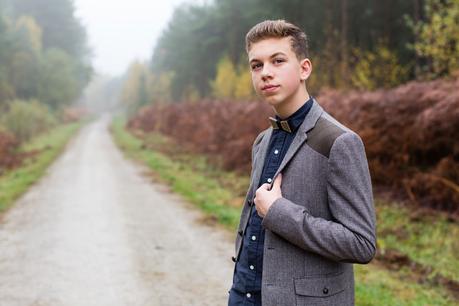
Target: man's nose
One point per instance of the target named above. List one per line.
(266, 72)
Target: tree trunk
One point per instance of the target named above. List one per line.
(417, 18)
(344, 43)
(328, 57)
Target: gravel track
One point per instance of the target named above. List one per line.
(96, 231)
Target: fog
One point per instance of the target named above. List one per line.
(122, 31)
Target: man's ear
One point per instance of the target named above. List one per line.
(306, 69)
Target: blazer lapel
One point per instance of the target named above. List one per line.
(260, 159)
(301, 136)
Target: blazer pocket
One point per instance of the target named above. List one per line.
(323, 286)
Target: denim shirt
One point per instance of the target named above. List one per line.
(246, 289)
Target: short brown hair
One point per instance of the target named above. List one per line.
(279, 29)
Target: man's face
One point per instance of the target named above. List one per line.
(277, 74)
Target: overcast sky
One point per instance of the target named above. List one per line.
(121, 31)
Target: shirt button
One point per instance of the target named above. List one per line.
(270, 180)
(248, 295)
(276, 152)
(251, 267)
(254, 238)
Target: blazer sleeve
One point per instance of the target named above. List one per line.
(350, 236)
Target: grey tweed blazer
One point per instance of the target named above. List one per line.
(325, 220)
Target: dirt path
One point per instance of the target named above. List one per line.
(95, 231)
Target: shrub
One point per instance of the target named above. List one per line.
(410, 133)
(377, 69)
(411, 137)
(72, 114)
(8, 146)
(222, 129)
(25, 119)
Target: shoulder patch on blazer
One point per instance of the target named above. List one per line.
(323, 135)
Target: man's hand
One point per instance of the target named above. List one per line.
(264, 198)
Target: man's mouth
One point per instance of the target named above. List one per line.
(269, 88)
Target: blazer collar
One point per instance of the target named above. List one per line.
(260, 160)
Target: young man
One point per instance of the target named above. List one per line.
(308, 215)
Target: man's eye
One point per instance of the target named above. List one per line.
(256, 66)
(279, 60)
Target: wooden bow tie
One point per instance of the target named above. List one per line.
(280, 124)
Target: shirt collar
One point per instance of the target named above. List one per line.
(297, 118)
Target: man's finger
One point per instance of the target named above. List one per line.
(278, 181)
(265, 186)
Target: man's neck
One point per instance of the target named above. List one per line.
(286, 109)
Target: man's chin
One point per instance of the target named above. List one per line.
(272, 101)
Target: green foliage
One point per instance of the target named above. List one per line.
(134, 93)
(160, 87)
(191, 94)
(225, 81)
(326, 73)
(58, 83)
(25, 60)
(231, 82)
(26, 119)
(43, 52)
(378, 286)
(61, 29)
(141, 86)
(29, 32)
(199, 36)
(377, 69)
(189, 48)
(6, 89)
(24, 70)
(434, 245)
(244, 89)
(438, 38)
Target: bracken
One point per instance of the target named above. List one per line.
(410, 133)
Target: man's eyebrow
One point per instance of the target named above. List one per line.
(273, 55)
(276, 54)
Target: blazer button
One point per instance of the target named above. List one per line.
(233, 258)
(325, 291)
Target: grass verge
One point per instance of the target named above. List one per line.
(427, 240)
(48, 146)
(184, 177)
